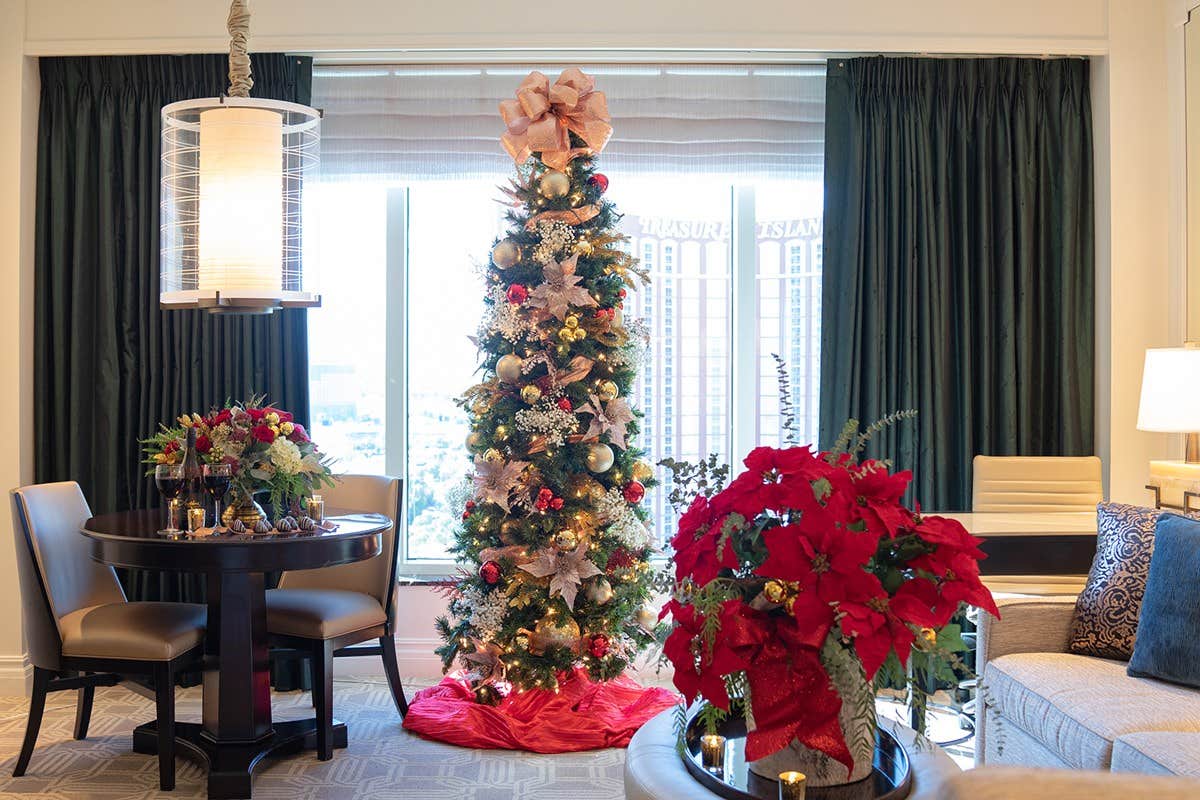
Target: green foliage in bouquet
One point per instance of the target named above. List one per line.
(268, 451)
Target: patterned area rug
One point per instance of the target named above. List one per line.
(382, 761)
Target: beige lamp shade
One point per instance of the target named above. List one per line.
(1170, 391)
(241, 200)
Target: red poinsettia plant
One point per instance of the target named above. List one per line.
(805, 562)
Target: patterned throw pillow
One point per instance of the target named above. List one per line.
(1106, 613)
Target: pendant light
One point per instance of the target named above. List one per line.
(234, 173)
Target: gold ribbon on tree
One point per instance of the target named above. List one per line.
(542, 118)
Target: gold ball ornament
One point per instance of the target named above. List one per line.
(473, 439)
(599, 458)
(775, 592)
(571, 322)
(579, 334)
(647, 618)
(521, 641)
(502, 433)
(566, 540)
(508, 368)
(506, 253)
(554, 185)
(492, 456)
(531, 394)
(566, 334)
(607, 390)
(642, 470)
(599, 592)
(508, 531)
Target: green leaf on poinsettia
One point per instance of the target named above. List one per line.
(822, 488)
(892, 580)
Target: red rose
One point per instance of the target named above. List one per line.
(634, 492)
(565, 404)
(256, 414)
(263, 434)
(490, 572)
(517, 294)
(171, 447)
(203, 444)
(598, 646)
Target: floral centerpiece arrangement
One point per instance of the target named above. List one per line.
(268, 452)
(794, 585)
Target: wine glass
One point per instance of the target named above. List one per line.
(169, 480)
(216, 483)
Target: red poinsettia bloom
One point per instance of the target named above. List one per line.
(878, 494)
(698, 672)
(697, 554)
(263, 433)
(884, 624)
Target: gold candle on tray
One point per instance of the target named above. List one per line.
(712, 752)
(195, 519)
(791, 785)
(316, 508)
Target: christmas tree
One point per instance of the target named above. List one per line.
(554, 534)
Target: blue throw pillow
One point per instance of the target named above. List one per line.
(1168, 634)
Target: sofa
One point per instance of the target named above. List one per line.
(1041, 706)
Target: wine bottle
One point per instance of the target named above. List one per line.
(193, 475)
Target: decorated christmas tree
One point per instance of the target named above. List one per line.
(554, 534)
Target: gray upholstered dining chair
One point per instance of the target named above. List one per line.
(321, 613)
(80, 629)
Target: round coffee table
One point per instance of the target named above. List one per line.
(236, 733)
(654, 770)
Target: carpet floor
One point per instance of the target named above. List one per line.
(382, 761)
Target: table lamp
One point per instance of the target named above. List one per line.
(1170, 403)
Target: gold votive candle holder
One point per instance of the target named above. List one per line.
(712, 752)
(195, 519)
(791, 785)
(173, 507)
(315, 506)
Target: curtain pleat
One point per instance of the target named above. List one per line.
(109, 364)
(959, 262)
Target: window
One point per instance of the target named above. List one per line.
(411, 163)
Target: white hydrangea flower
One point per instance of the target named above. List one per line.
(285, 456)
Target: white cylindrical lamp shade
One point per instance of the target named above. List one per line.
(234, 178)
(1170, 401)
(241, 200)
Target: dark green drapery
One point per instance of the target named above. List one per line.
(958, 261)
(109, 364)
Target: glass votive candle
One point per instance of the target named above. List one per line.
(791, 785)
(316, 508)
(195, 519)
(712, 752)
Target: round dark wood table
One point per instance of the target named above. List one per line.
(236, 733)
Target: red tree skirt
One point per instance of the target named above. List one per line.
(584, 715)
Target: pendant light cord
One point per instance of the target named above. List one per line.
(239, 57)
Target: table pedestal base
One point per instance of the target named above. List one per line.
(231, 766)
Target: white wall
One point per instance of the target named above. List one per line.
(1137, 204)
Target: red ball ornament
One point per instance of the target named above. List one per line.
(621, 293)
(598, 646)
(565, 404)
(517, 294)
(470, 505)
(600, 181)
(634, 492)
(556, 504)
(490, 572)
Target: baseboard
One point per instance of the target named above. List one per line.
(16, 675)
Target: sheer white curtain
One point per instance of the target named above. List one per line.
(412, 123)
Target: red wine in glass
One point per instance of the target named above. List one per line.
(168, 478)
(216, 479)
